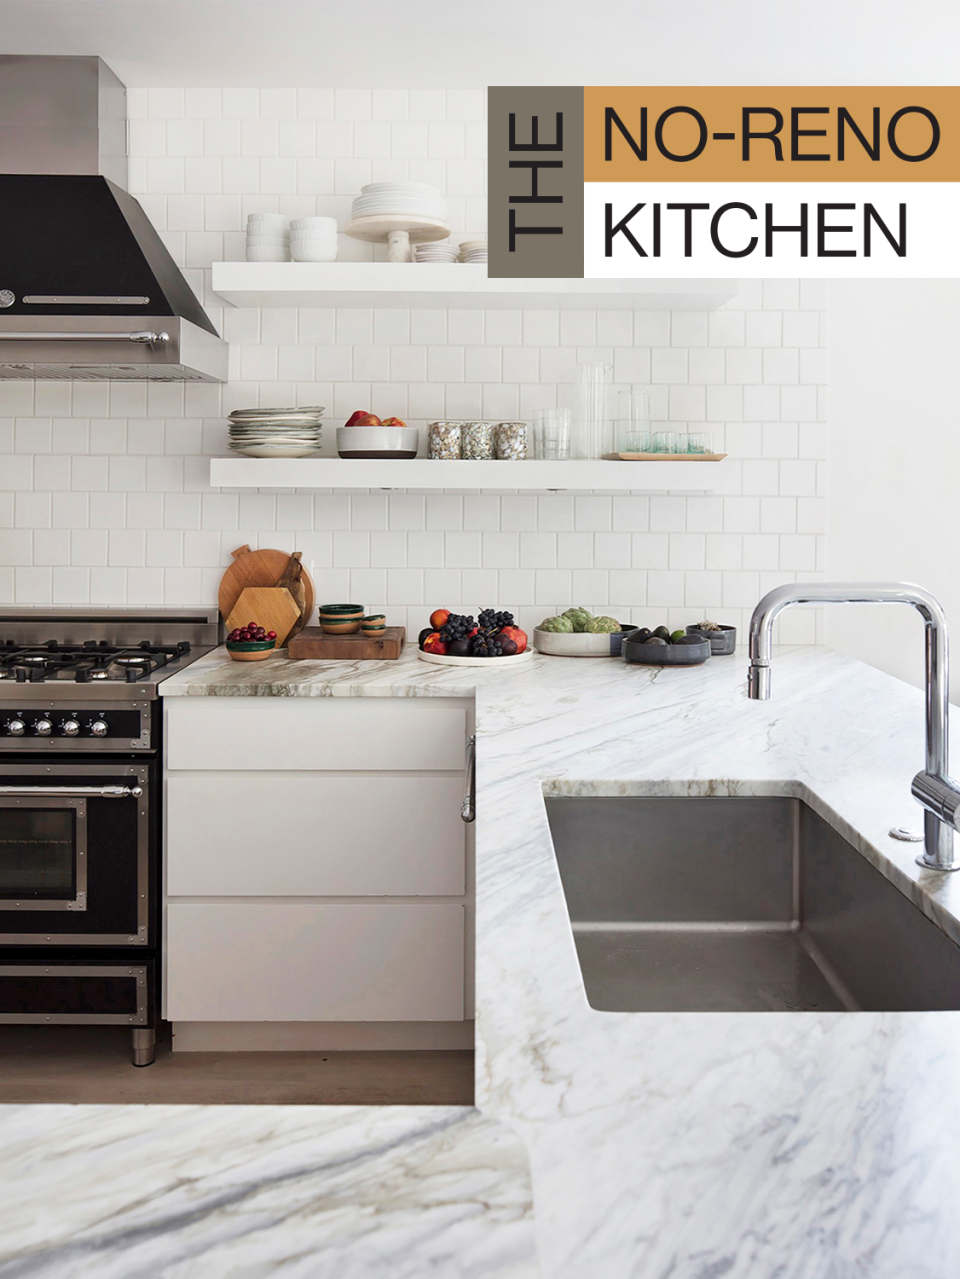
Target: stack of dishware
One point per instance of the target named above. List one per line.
(473, 250)
(313, 240)
(268, 237)
(438, 251)
(341, 619)
(400, 199)
(293, 432)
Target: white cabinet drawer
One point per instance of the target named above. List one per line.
(313, 835)
(313, 732)
(234, 961)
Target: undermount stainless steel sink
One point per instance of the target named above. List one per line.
(737, 904)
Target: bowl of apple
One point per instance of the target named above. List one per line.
(364, 435)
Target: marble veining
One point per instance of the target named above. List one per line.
(240, 1192)
(694, 1146)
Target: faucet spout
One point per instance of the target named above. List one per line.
(935, 790)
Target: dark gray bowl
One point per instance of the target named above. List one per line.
(722, 642)
(666, 654)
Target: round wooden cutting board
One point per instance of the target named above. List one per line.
(259, 568)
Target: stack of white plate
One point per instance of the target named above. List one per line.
(400, 199)
(268, 237)
(313, 240)
(473, 250)
(438, 251)
(276, 432)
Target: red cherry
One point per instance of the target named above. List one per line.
(251, 626)
(271, 635)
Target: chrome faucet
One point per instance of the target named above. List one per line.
(933, 787)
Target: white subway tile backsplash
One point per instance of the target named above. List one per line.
(103, 487)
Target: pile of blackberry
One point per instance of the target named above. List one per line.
(456, 627)
(486, 642)
(491, 621)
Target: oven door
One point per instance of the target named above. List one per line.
(75, 854)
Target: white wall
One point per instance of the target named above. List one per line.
(894, 460)
(104, 495)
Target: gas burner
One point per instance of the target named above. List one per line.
(90, 660)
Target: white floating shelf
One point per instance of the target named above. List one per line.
(443, 285)
(422, 473)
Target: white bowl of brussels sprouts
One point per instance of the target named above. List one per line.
(578, 633)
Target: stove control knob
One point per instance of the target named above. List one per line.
(70, 728)
(43, 728)
(98, 728)
(7, 298)
(16, 727)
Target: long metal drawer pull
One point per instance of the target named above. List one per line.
(468, 809)
(146, 337)
(69, 792)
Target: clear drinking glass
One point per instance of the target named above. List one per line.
(696, 442)
(633, 422)
(551, 434)
(595, 430)
(666, 442)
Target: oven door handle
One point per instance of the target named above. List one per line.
(69, 792)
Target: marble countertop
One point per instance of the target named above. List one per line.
(692, 1145)
(244, 1192)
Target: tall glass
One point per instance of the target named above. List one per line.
(633, 422)
(594, 435)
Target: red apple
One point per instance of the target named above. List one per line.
(393, 421)
(439, 617)
(362, 419)
(519, 637)
(434, 644)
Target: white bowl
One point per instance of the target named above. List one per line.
(313, 251)
(323, 225)
(299, 237)
(276, 222)
(377, 441)
(260, 253)
(268, 241)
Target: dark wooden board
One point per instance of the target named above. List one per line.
(313, 645)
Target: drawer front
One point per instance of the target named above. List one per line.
(313, 732)
(314, 835)
(233, 961)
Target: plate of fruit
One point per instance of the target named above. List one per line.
(250, 643)
(577, 633)
(663, 647)
(458, 639)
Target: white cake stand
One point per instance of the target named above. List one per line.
(399, 231)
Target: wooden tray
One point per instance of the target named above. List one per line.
(314, 645)
(259, 568)
(668, 457)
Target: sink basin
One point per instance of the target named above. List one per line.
(736, 904)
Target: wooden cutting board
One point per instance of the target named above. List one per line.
(314, 645)
(259, 568)
(273, 607)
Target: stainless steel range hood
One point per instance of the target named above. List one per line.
(88, 290)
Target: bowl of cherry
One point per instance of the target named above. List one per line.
(251, 643)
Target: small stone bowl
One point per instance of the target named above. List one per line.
(665, 654)
(374, 625)
(722, 642)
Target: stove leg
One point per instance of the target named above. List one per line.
(144, 1045)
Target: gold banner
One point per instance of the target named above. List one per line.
(772, 134)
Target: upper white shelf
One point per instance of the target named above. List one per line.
(422, 473)
(443, 285)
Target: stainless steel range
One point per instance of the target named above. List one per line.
(80, 808)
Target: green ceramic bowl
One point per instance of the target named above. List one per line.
(250, 650)
(341, 610)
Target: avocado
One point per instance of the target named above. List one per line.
(642, 634)
(655, 639)
(662, 633)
